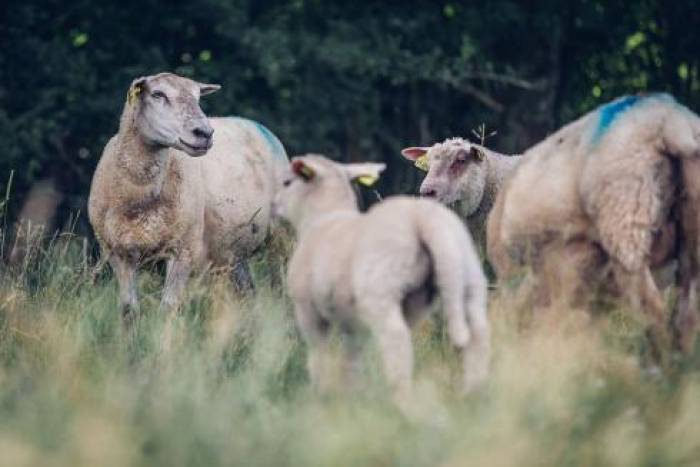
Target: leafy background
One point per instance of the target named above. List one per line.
(354, 80)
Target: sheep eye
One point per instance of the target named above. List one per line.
(287, 182)
(158, 95)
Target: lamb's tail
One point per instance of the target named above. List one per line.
(462, 286)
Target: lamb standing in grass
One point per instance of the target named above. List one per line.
(381, 269)
(464, 176)
(618, 188)
(153, 196)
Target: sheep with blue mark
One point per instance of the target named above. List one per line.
(605, 200)
(176, 185)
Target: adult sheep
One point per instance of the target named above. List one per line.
(464, 176)
(175, 185)
(380, 269)
(617, 189)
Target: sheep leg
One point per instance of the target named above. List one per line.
(645, 296)
(178, 273)
(476, 354)
(241, 277)
(126, 277)
(352, 353)
(685, 316)
(389, 328)
(315, 330)
(569, 270)
(496, 250)
(539, 281)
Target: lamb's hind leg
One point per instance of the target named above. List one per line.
(125, 271)
(476, 355)
(315, 330)
(464, 305)
(386, 321)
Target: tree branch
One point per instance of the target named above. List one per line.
(481, 96)
(506, 79)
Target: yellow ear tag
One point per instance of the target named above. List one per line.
(133, 94)
(367, 180)
(306, 172)
(422, 163)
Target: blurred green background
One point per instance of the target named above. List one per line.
(355, 80)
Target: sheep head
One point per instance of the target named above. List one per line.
(315, 185)
(456, 172)
(166, 112)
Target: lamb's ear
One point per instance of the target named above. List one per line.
(364, 173)
(303, 170)
(136, 89)
(477, 153)
(206, 89)
(414, 153)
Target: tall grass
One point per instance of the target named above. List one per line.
(77, 389)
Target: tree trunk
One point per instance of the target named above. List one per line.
(36, 218)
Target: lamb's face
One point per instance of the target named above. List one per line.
(299, 183)
(315, 185)
(456, 172)
(169, 114)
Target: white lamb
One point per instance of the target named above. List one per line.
(380, 269)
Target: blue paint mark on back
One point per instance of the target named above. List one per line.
(272, 141)
(608, 113)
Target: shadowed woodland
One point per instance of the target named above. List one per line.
(355, 81)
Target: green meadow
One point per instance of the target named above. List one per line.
(231, 387)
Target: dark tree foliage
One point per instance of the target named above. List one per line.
(355, 80)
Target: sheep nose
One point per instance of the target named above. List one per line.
(203, 131)
(429, 193)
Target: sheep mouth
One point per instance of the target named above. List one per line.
(198, 149)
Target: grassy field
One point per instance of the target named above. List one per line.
(75, 389)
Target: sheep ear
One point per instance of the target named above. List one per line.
(419, 156)
(303, 170)
(477, 153)
(136, 89)
(206, 89)
(365, 173)
(414, 153)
